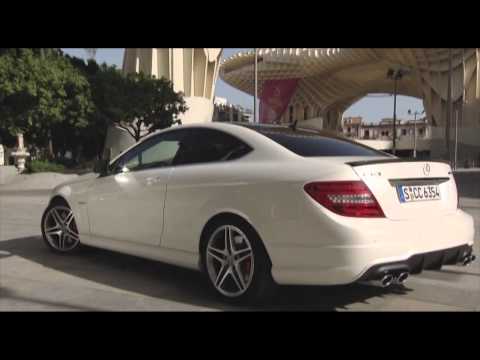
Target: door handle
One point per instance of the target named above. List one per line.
(152, 180)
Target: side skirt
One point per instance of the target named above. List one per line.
(174, 257)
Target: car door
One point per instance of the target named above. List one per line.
(201, 174)
(128, 203)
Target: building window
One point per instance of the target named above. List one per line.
(404, 132)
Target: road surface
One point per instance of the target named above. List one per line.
(34, 279)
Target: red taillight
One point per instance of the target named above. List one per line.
(347, 198)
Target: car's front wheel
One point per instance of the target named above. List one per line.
(236, 263)
(59, 229)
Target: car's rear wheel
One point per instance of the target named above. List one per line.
(59, 228)
(236, 263)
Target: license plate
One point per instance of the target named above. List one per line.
(412, 193)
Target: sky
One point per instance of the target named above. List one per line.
(372, 108)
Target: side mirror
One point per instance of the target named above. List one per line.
(101, 167)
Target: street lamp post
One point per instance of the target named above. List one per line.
(449, 107)
(395, 74)
(415, 136)
(415, 131)
(255, 119)
(456, 142)
(394, 144)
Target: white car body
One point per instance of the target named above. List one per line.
(160, 213)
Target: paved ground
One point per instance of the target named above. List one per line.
(46, 180)
(32, 278)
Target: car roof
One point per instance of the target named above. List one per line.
(267, 147)
(252, 134)
(234, 127)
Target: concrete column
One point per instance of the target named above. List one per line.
(2, 156)
(299, 112)
(177, 70)
(477, 95)
(192, 71)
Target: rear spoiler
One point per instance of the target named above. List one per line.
(387, 161)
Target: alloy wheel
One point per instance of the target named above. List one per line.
(60, 228)
(230, 261)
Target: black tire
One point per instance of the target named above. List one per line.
(57, 203)
(262, 286)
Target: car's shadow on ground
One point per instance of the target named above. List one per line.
(162, 281)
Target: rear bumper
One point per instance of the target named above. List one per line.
(359, 247)
(417, 263)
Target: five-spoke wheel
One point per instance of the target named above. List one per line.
(236, 262)
(59, 228)
(230, 261)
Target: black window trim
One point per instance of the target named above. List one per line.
(251, 148)
(260, 129)
(186, 130)
(140, 143)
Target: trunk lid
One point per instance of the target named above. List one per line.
(385, 179)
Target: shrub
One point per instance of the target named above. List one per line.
(37, 166)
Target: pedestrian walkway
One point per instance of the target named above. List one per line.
(28, 182)
(7, 174)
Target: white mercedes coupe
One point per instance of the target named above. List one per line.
(253, 206)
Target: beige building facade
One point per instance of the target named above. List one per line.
(411, 134)
(332, 79)
(193, 72)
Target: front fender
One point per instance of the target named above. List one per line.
(76, 196)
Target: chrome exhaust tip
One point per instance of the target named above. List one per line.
(384, 282)
(468, 259)
(387, 280)
(402, 278)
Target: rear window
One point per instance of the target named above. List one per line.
(312, 144)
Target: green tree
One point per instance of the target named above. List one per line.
(138, 103)
(148, 104)
(110, 97)
(38, 92)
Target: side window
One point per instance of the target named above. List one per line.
(158, 151)
(208, 145)
(160, 154)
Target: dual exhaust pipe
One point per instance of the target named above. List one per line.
(399, 278)
(468, 259)
(389, 279)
